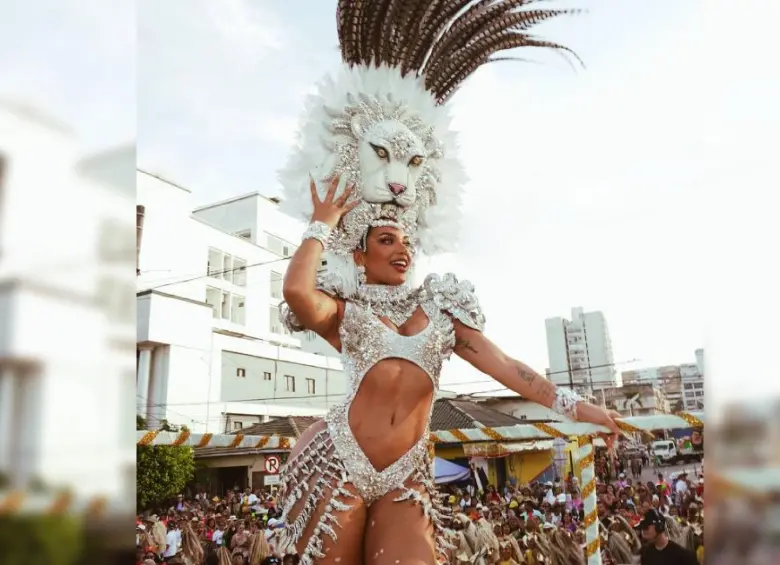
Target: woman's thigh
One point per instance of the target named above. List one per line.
(325, 508)
(399, 533)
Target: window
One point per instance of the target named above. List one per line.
(227, 267)
(226, 306)
(214, 265)
(289, 383)
(266, 376)
(237, 310)
(274, 244)
(279, 246)
(239, 272)
(274, 325)
(241, 372)
(238, 425)
(139, 230)
(311, 386)
(224, 266)
(276, 284)
(213, 298)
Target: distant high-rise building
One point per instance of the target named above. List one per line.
(700, 361)
(580, 352)
(693, 386)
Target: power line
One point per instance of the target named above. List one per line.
(222, 272)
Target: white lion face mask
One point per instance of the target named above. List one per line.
(390, 157)
(390, 147)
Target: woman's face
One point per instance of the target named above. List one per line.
(387, 258)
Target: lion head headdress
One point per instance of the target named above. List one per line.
(382, 124)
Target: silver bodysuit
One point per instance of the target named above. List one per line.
(333, 458)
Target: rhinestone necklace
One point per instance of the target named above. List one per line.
(396, 303)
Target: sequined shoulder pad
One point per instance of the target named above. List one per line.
(455, 297)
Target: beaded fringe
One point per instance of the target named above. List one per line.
(312, 474)
(432, 507)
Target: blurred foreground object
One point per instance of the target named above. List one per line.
(67, 250)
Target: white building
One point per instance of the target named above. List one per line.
(580, 351)
(692, 386)
(639, 399)
(66, 310)
(682, 384)
(212, 354)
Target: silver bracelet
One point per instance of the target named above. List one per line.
(565, 403)
(319, 231)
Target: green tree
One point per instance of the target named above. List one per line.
(162, 471)
(41, 540)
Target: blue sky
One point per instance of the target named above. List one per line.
(642, 185)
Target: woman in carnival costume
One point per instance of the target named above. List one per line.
(375, 174)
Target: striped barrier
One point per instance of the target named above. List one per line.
(55, 504)
(520, 432)
(236, 441)
(586, 466)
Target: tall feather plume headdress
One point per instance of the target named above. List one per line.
(382, 124)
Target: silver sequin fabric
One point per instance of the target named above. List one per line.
(565, 403)
(334, 458)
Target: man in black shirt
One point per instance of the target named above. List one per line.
(660, 550)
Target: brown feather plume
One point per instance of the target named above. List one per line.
(443, 41)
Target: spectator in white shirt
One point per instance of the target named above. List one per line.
(681, 487)
(218, 535)
(549, 496)
(172, 540)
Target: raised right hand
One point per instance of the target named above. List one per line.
(330, 210)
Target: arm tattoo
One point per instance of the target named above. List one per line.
(318, 307)
(525, 374)
(465, 344)
(541, 389)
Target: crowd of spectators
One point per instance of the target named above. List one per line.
(534, 524)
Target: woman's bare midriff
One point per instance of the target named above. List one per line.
(390, 411)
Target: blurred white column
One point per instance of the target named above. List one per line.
(28, 449)
(142, 383)
(6, 417)
(158, 387)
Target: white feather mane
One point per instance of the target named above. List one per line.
(440, 224)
